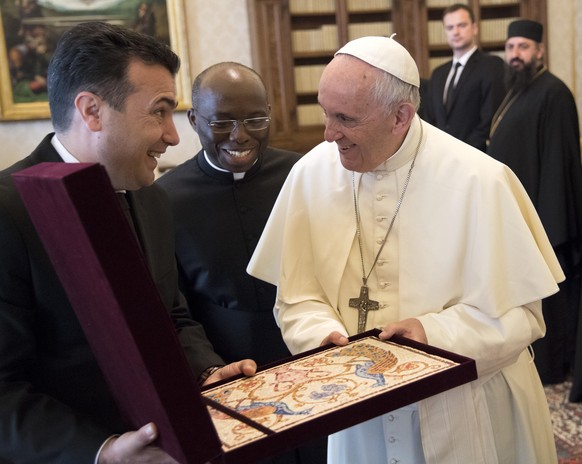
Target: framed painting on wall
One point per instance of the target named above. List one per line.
(30, 29)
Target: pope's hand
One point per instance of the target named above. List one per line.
(409, 328)
(336, 338)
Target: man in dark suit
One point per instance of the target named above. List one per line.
(112, 98)
(221, 200)
(465, 92)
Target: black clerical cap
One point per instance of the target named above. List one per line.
(526, 28)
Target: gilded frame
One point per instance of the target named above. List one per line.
(37, 107)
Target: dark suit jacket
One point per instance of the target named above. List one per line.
(477, 96)
(55, 406)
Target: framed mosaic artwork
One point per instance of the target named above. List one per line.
(329, 389)
(244, 419)
(30, 29)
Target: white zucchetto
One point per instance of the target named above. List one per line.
(386, 54)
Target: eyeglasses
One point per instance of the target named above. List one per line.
(228, 125)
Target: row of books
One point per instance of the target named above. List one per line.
(494, 30)
(446, 3)
(443, 3)
(436, 33)
(369, 5)
(329, 6)
(312, 6)
(498, 2)
(310, 115)
(325, 37)
(307, 77)
(356, 30)
(490, 30)
(321, 39)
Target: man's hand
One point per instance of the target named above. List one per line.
(247, 367)
(135, 447)
(336, 338)
(409, 328)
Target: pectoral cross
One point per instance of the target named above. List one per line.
(363, 304)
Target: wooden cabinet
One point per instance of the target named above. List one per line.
(293, 40)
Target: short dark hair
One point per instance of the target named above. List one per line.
(457, 7)
(94, 56)
(218, 67)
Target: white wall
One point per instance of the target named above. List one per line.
(564, 31)
(18, 139)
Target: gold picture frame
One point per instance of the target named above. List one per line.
(29, 25)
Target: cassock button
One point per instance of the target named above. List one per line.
(379, 176)
(391, 440)
(390, 417)
(379, 197)
(379, 218)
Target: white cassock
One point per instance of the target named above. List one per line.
(467, 256)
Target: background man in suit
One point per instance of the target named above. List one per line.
(221, 200)
(112, 98)
(465, 92)
(536, 133)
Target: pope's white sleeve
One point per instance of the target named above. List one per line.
(494, 343)
(305, 324)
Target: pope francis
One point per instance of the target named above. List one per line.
(392, 223)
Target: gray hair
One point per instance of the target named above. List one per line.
(389, 92)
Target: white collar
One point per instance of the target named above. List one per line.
(66, 156)
(62, 151)
(235, 175)
(463, 59)
(406, 151)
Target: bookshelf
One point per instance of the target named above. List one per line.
(293, 40)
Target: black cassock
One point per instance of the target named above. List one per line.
(538, 137)
(219, 221)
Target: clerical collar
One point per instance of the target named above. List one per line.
(235, 175)
(406, 151)
(62, 151)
